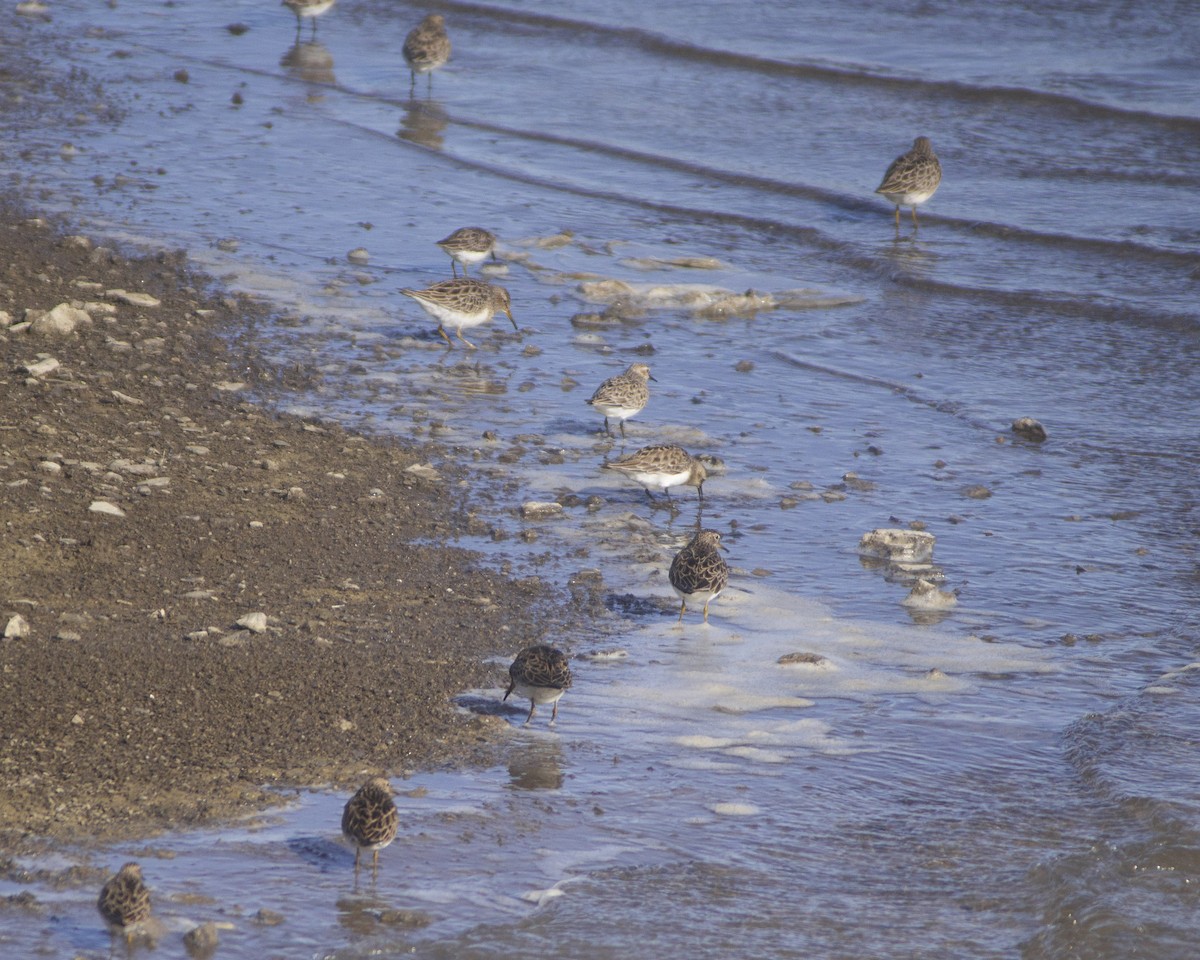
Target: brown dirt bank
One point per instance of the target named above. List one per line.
(135, 703)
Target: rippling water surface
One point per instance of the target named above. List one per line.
(1013, 776)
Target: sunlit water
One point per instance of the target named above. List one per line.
(1013, 776)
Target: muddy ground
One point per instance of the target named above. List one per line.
(130, 700)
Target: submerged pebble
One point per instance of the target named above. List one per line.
(908, 546)
(926, 596)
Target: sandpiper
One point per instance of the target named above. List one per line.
(124, 899)
(370, 819)
(660, 467)
(426, 47)
(542, 674)
(622, 396)
(912, 178)
(468, 245)
(308, 10)
(462, 303)
(699, 572)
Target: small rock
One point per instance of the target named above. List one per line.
(77, 720)
(358, 255)
(42, 368)
(268, 918)
(68, 635)
(127, 399)
(344, 725)
(16, 627)
(1029, 429)
(254, 622)
(423, 470)
(134, 299)
(977, 492)
(103, 506)
(59, 322)
(803, 658)
(540, 509)
(202, 940)
(50, 467)
(926, 596)
(909, 546)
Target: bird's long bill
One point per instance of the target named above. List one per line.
(510, 317)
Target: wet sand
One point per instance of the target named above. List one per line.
(134, 702)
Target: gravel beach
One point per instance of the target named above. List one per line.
(203, 599)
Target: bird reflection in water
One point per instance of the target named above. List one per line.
(311, 62)
(537, 766)
(423, 123)
(307, 9)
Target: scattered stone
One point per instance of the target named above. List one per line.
(540, 509)
(69, 635)
(254, 622)
(50, 467)
(42, 368)
(268, 918)
(601, 656)
(134, 299)
(77, 720)
(907, 546)
(803, 658)
(1029, 429)
(127, 399)
(197, 450)
(977, 491)
(59, 322)
(103, 506)
(202, 940)
(926, 596)
(358, 255)
(424, 471)
(229, 386)
(16, 628)
(344, 725)
(744, 366)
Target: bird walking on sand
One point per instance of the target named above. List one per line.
(699, 572)
(660, 467)
(462, 303)
(912, 178)
(622, 396)
(370, 819)
(542, 675)
(468, 245)
(124, 900)
(308, 10)
(426, 48)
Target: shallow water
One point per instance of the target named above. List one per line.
(1013, 776)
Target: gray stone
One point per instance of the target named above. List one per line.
(17, 626)
(254, 622)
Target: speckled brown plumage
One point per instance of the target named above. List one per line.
(468, 245)
(461, 303)
(622, 396)
(699, 572)
(370, 819)
(427, 46)
(912, 178)
(661, 466)
(542, 674)
(124, 899)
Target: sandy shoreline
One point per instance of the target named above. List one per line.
(134, 702)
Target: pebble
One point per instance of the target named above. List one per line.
(1029, 429)
(909, 546)
(134, 299)
(16, 627)
(540, 509)
(42, 368)
(926, 596)
(50, 467)
(977, 492)
(202, 940)
(103, 506)
(59, 322)
(803, 658)
(254, 622)
(358, 255)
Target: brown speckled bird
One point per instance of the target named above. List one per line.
(661, 466)
(124, 899)
(541, 674)
(370, 819)
(426, 47)
(912, 178)
(468, 245)
(462, 303)
(622, 396)
(699, 572)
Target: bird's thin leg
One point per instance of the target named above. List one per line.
(532, 708)
(458, 333)
(554, 713)
(916, 226)
(682, 607)
(449, 342)
(706, 603)
(454, 267)
(357, 852)
(622, 422)
(412, 83)
(897, 217)
(607, 428)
